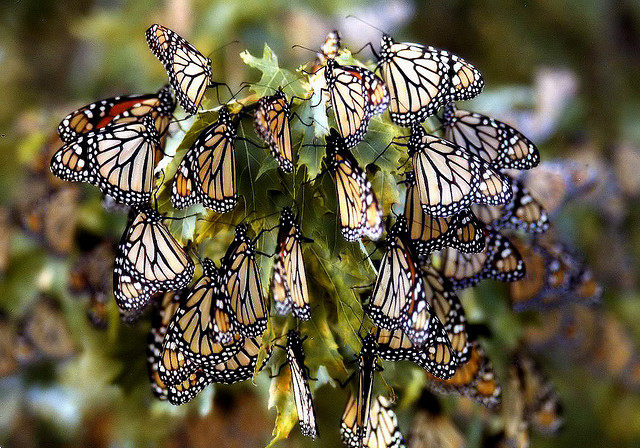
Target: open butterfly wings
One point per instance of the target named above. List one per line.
(148, 260)
(357, 95)
(272, 125)
(119, 110)
(462, 231)
(289, 279)
(119, 160)
(422, 79)
(207, 173)
(189, 71)
(300, 386)
(494, 141)
(358, 207)
(450, 179)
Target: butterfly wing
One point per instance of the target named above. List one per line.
(300, 386)
(189, 71)
(241, 283)
(462, 231)
(207, 172)
(356, 95)
(358, 207)
(422, 79)
(494, 141)
(272, 125)
(148, 260)
(449, 179)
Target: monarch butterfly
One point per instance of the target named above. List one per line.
(462, 231)
(542, 406)
(289, 280)
(474, 379)
(432, 428)
(355, 421)
(202, 328)
(239, 367)
(148, 260)
(398, 280)
(449, 179)
(423, 79)
(554, 276)
(162, 315)
(8, 362)
(500, 261)
(189, 71)
(43, 333)
(437, 359)
(300, 385)
(118, 110)
(207, 172)
(491, 140)
(524, 212)
(359, 211)
(446, 306)
(50, 213)
(91, 274)
(241, 283)
(556, 182)
(118, 159)
(382, 431)
(356, 96)
(272, 125)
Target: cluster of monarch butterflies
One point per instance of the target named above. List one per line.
(461, 215)
(40, 334)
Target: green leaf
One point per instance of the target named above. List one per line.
(272, 75)
(280, 398)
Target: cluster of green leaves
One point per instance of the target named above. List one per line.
(337, 270)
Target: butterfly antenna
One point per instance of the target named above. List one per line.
(222, 47)
(351, 16)
(304, 48)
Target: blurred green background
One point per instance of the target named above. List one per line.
(563, 72)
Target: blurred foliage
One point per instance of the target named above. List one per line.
(56, 56)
